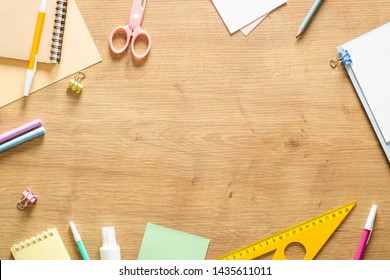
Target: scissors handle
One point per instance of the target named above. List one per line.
(116, 31)
(138, 32)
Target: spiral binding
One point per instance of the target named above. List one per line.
(32, 240)
(58, 32)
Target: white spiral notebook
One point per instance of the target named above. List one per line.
(367, 61)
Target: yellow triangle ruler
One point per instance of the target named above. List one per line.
(312, 234)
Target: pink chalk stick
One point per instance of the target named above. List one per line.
(20, 130)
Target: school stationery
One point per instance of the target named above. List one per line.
(47, 245)
(133, 31)
(78, 52)
(27, 197)
(312, 234)
(370, 77)
(237, 14)
(20, 130)
(22, 16)
(306, 21)
(22, 138)
(162, 243)
(79, 242)
(32, 64)
(109, 250)
(75, 83)
(368, 228)
(248, 28)
(58, 32)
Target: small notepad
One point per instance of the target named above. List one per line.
(47, 245)
(162, 243)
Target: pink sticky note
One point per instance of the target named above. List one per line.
(248, 28)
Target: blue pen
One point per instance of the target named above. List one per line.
(79, 242)
(309, 16)
(22, 138)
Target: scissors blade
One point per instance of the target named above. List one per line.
(137, 13)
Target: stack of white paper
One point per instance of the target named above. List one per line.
(370, 73)
(244, 14)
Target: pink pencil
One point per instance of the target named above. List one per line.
(20, 130)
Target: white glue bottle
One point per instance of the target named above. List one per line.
(109, 250)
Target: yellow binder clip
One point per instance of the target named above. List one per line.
(75, 83)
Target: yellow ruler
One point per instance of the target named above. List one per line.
(312, 234)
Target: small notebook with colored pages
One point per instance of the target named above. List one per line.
(47, 245)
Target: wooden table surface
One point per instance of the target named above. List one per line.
(228, 137)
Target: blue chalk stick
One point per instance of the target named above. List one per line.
(22, 138)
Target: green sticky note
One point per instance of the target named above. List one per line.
(162, 243)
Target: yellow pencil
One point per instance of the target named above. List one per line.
(32, 65)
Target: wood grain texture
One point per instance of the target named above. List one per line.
(228, 137)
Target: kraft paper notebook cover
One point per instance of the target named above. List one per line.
(78, 52)
(368, 65)
(47, 245)
(18, 20)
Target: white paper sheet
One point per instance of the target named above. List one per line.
(239, 13)
(370, 54)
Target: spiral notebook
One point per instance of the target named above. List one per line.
(78, 52)
(47, 245)
(18, 21)
(367, 61)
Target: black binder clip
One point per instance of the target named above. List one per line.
(27, 196)
(345, 58)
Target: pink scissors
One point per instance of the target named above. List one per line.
(133, 29)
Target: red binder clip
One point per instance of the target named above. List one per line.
(27, 196)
